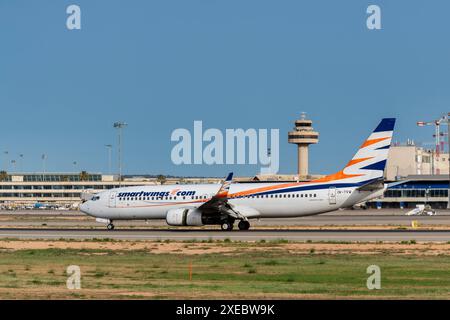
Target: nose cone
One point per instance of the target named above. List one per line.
(84, 207)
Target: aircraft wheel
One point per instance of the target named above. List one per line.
(243, 225)
(226, 226)
(110, 226)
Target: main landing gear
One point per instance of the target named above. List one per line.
(243, 225)
(110, 226)
(228, 225)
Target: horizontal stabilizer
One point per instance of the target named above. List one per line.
(372, 185)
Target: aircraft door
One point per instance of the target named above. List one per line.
(332, 195)
(112, 199)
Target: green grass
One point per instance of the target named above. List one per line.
(141, 274)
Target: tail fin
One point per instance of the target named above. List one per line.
(370, 160)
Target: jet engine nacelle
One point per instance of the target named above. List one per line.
(184, 217)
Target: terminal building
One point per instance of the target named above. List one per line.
(425, 176)
(416, 189)
(410, 159)
(66, 189)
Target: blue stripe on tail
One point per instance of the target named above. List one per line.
(386, 124)
(376, 166)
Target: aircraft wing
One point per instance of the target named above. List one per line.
(219, 202)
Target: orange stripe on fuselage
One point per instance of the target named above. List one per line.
(337, 176)
(268, 188)
(370, 142)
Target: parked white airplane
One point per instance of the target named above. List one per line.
(214, 204)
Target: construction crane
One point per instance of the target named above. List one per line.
(437, 135)
(445, 119)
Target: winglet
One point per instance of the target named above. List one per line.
(229, 177)
(223, 191)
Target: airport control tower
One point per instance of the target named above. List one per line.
(303, 135)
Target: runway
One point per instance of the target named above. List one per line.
(252, 235)
(348, 225)
(347, 218)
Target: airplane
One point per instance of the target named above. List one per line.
(421, 210)
(214, 204)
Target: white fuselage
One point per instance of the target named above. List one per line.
(153, 202)
(182, 205)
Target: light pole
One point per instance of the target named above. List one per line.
(109, 146)
(43, 157)
(119, 126)
(13, 165)
(6, 160)
(74, 166)
(21, 162)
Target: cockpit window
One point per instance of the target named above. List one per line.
(95, 198)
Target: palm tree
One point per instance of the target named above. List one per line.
(3, 175)
(84, 176)
(161, 179)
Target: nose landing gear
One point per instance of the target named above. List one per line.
(110, 226)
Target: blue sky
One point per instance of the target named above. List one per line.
(160, 65)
